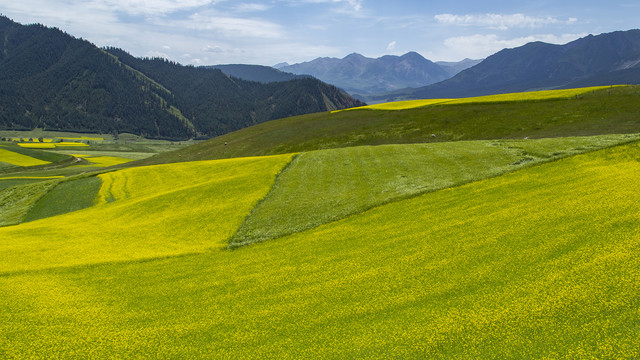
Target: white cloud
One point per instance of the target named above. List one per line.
(499, 21)
(391, 46)
(227, 26)
(347, 5)
(151, 7)
(212, 49)
(251, 7)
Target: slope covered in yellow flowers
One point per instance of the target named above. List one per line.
(538, 263)
(146, 212)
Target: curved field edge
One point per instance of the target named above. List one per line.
(319, 187)
(66, 197)
(157, 211)
(539, 263)
(17, 201)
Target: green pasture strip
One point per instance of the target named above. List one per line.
(10, 182)
(323, 186)
(608, 111)
(64, 170)
(539, 263)
(31, 177)
(81, 138)
(131, 155)
(155, 211)
(150, 148)
(17, 201)
(66, 197)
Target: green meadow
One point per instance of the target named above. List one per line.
(326, 185)
(291, 242)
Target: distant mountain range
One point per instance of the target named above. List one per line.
(360, 75)
(51, 80)
(606, 59)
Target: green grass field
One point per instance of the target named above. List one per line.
(323, 186)
(66, 197)
(500, 268)
(607, 111)
(367, 238)
(17, 201)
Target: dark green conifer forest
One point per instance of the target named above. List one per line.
(53, 81)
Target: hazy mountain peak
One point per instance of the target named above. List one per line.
(605, 59)
(358, 74)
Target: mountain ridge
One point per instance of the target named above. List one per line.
(259, 73)
(52, 80)
(588, 61)
(360, 75)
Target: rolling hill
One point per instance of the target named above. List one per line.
(492, 246)
(51, 80)
(581, 113)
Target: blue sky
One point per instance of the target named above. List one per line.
(206, 32)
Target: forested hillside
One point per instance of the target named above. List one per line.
(218, 104)
(51, 80)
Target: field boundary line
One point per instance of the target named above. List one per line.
(424, 192)
(260, 201)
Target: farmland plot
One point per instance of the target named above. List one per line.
(146, 212)
(539, 263)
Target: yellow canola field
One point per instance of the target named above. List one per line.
(521, 96)
(50, 145)
(542, 263)
(14, 158)
(37, 145)
(400, 105)
(530, 95)
(158, 211)
(104, 161)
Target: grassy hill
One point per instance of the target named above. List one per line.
(605, 111)
(486, 248)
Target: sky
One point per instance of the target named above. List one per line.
(209, 32)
